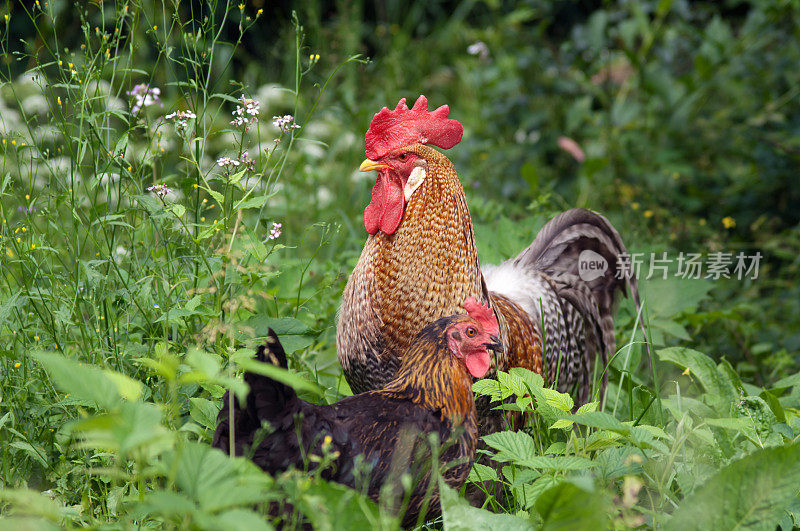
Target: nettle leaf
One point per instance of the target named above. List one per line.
(720, 390)
(751, 493)
(568, 506)
(511, 445)
(481, 473)
(459, 515)
(213, 480)
(204, 412)
(86, 382)
(561, 401)
(491, 388)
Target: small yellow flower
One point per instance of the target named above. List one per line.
(33, 246)
(155, 27)
(60, 63)
(316, 57)
(17, 365)
(728, 222)
(130, 168)
(25, 229)
(6, 17)
(260, 12)
(648, 213)
(102, 317)
(202, 218)
(635, 205)
(13, 142)
(19, 240)
(70, 65)
(97, 330)
(205, 200)
(241, 7)
(36, 338)
(115, 329)
(686, 372)
(194, 186)
(59, 101)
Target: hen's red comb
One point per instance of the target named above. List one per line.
(483, 314)
(390, 130)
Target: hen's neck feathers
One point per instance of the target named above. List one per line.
(432, 377)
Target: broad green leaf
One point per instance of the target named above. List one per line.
(204, 412)
(567, 506)
(78, 379)
(459, 516)
(481, 473)
(751, 493)
(213, 480)
(561, 401)
(720, 389)
(291, 379)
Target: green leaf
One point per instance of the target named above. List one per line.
(82, 381)
(458, 515)
(481, 473)
(558, 400)
(213, 480)
(204, 412)
(719, 388)
(291, 379)
(751, 493)
(567, 506)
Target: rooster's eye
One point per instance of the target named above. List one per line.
(403, 156)
(471, 331)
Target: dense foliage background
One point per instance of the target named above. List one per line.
(123, 311)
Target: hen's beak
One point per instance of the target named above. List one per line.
(495, 344)
(369, 165)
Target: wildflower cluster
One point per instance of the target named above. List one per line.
(245, 114)
(275, 231)
(144, 96)
(227, 163)
(181, 119)
(159, 189)
(285, 123)
(247, 162)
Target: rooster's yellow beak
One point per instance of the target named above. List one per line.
(369, 165)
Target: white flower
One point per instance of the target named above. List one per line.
(275, 231)
(478, 48)
(144, 97)
(227, 163)
(159, 189)
(285, 123)
(181, 119)
(245, 114)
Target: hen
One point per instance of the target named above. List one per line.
(387, 431)
(420, 262)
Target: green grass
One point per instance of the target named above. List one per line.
(124, 314)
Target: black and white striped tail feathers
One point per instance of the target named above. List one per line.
(572, 305)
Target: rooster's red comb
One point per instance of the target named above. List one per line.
(483, 314)
(390, 130)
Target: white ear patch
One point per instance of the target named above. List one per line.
(414, 180)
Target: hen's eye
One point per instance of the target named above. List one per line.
(403, 156)
(471, 331)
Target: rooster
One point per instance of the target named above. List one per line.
(420, 262)
(387, 430)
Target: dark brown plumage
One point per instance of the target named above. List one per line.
(386, 430)
(420, 264)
